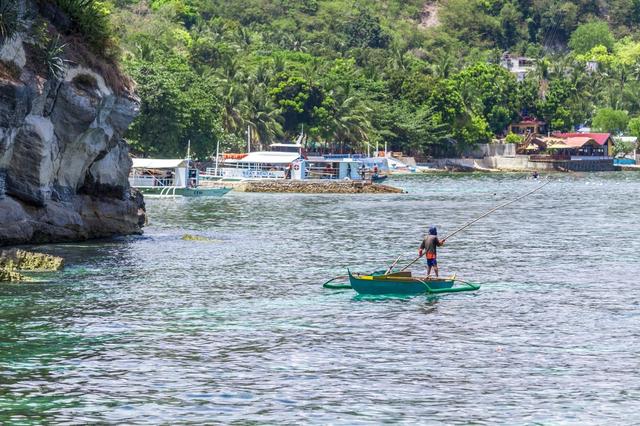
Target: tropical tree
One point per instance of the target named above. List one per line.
(611, 120)
(489, 91)
(589, 35)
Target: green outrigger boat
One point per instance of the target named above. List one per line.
(400, 283)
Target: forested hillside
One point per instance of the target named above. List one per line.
(423, 77)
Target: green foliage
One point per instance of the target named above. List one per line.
(9, 18)
(634, 126)
(623, 148)
(489, 91)
(91, 19)
(349, 73)
(299, 99)
(177, 106)
(513, 138)
(626, 14)
(552, 106)
(364, 30)
(587, 36)
(54, 58)
(611, 120)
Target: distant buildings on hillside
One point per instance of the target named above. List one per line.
(518, 65)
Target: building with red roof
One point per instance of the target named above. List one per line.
(581, 142)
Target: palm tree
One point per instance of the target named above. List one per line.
(314, 68)
(631, 97)
(399, 60)
(231, 98)
(262, 75)
(349, 124)
(243, 37)
(261, 115)
(444, 67)
(230, 70)
(279, 64)
(294, 41)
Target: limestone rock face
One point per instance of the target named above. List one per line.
(63, 162)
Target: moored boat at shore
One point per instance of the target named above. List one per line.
(170, 178)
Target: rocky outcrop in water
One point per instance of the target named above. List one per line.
(63, 163)
(13, 262)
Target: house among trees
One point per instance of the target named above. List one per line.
(528, 125)
(518, 65)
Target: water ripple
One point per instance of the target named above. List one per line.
(154, 329)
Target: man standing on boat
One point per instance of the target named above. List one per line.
(430, 245)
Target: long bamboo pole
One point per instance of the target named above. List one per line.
(468, 224)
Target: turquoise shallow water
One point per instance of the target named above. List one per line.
(155, 329)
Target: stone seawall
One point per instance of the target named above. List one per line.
(310, 187)
(521, 163)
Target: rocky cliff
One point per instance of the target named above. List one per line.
(63, 163)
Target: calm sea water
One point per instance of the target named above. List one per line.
(155, 329)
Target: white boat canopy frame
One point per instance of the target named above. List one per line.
(267, 157)
(150, 163)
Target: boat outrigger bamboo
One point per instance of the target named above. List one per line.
(401, 282)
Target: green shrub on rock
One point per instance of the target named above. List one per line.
(9, 19)
(90, 19)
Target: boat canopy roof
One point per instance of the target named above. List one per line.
(332, 160)
(267, 157)
(150, 163)
(286, 145)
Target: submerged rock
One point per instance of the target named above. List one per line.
(190, 237)
(63, 163)
(12, 262)
(22, 260)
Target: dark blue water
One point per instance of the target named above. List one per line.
(238, 329)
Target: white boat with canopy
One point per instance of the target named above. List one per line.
(169, 178)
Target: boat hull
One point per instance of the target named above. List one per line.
(379, 178)
(404, 284)
(185, 192)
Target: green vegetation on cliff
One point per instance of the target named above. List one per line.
(424, 77)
